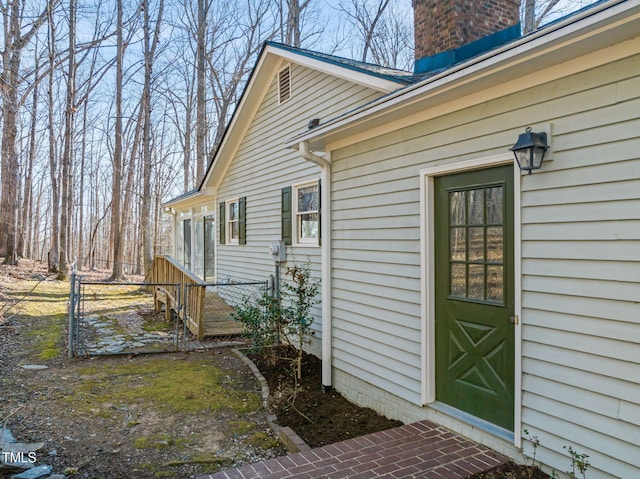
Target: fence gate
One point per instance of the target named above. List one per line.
(113, 318)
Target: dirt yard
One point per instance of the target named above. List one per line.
(147, 416)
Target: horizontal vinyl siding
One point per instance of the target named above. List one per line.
(581, 280)
(580, 257)
(262, 166)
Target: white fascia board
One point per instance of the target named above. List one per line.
(368, 80)
(198, 198)
(593, 29)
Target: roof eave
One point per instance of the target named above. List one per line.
(559, 42)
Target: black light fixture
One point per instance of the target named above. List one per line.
(529, 150)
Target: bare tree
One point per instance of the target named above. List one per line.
(534, 13)
(201, 99)
(231, 53)
(67, 156)
(11, 77)
(24, 238)
(150, 46)
(116, 191)
(379, 33)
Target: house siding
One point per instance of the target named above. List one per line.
(580, 231)
(262, 166)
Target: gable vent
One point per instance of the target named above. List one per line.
(284, 84)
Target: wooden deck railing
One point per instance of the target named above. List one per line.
(191, 292)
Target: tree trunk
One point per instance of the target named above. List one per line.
(24, 242)
(67, 156)
(149, 53)
(201, 105)
(116, 191)
(10, 162)
(53, 255)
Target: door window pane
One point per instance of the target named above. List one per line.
(495, 289)
(476, 281)
(494, 205)
(476, 243)
(494, 243)
(458, 244)
(457, 208)
(476, 206)
(459, 280)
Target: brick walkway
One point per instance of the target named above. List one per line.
(418, 450)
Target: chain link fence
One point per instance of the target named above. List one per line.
(116, 318)
(113, 318)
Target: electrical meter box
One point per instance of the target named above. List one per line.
(278, 251)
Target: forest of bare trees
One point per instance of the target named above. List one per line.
(110, 108)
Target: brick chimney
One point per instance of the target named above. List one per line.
(446, 25)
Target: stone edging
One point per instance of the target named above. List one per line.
(287, 436)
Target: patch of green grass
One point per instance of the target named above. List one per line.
(241, 428)
(160, 441)
(47, 334)
(263, 440)
(175, 386)
(154, 322)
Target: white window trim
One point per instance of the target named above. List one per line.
(427, 275)
(229, 221)
(297, 240)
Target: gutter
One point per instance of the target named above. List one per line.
(325, 225)
(592, 16)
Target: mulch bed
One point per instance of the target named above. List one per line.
(318, 418)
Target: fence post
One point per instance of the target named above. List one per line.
(72, 311)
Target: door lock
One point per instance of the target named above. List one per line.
(514, 319)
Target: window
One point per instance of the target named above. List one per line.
(186, 225)
(233, 221)
(209, 247)
(307, 217)
(284, 84)
(301, 210)
(233, 224)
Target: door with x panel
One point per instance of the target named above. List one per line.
(475, 293)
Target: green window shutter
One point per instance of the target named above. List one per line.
(286, 216)
(319, 213)
(242, 220)
(222, 222)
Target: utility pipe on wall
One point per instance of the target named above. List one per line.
(325, 225)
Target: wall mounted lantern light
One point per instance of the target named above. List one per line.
(529, 150)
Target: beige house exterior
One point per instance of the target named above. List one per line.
(575, 244)
(392, 157)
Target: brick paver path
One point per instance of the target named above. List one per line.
(418, 450)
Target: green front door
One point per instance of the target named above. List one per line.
(475, 293)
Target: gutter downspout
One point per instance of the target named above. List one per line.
(325, 227)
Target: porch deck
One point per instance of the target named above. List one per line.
(203, 308)
(218, 317)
